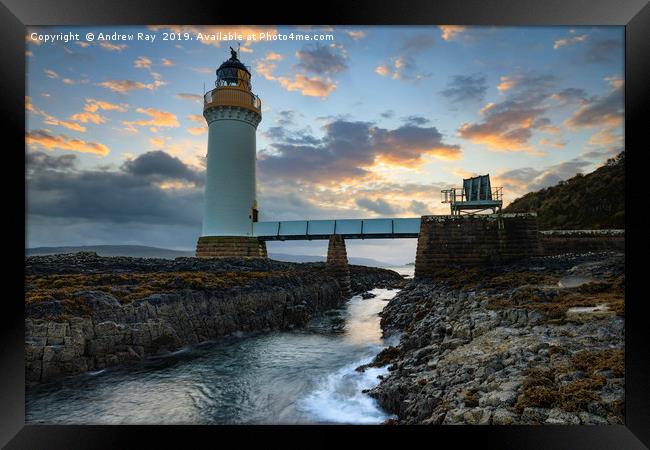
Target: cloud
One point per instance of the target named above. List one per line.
(517, 182)
(604, 50)
(203, 70)
(509, 124)
(38, 161)
(286, 117)
(348, 150)
(308, 86)
(450, 32)
(401, 68)
(605, 110)
(126, 86)
(417, 120)
(162, 166)
(419, 208)
(569, 41)
(272, 56)
(196, 118)
(556, 143)
(315, 86)
(201, 121)
(141, 191)
(85, 117)
(569, 96)
(49, 141)
(506, 83)
(464, 88)
(112, 47)
(51, 74)
(321, 59)
(606, 114)
(157, 141)
(404, 66)
(157, 119)
(191, 97)
(378, 206)
(417, 43)
(356, 34)
(91, 107)
(167, 62)
(51, 120)
(142, 62)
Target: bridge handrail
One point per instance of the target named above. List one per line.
(320, 229)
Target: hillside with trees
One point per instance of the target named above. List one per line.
(592, 201)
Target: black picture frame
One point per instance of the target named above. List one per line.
(633, 14)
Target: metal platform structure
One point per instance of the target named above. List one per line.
(475, 196)
(346, 228)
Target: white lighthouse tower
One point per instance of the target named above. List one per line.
(230, 206)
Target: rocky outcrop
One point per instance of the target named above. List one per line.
(514, 346)
(85, 312)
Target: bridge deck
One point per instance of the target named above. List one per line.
(347, 228)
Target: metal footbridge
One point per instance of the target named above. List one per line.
(346, 228)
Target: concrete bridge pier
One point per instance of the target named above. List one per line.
(337, 260)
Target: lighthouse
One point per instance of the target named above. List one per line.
(233, 113)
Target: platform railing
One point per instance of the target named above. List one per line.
(232, 96)
(455, 195)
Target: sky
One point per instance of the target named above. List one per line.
(357, 122)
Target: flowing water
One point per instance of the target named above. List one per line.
(301, 376)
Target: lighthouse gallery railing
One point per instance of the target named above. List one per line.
(232, 96)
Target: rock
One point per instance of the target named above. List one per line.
(486, 417)
(503, 417)
(467, 332)
(455, 417)
(473, 416)
(591, 419)
(559, 417)
(534, 416)
(498, 399)
(92, 329)
(367, 295)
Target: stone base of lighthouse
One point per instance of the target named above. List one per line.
(230, 246)
(337, 261)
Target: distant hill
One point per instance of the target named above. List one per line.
(136, 251)
(593, 201)
(311, 258)
(141, 251)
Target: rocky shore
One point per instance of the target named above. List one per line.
(85, 312)
(539, 342)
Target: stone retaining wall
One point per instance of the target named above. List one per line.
(557, 242)
(474, 240)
